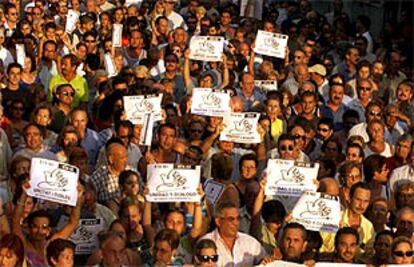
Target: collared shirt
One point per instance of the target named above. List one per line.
(247, 251)
(336, 116)
(361, 130)
(78, 83)
(248, 102)
(400, 176)
(106, 184)
(355, 104)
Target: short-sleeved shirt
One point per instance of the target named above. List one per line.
(78, 83)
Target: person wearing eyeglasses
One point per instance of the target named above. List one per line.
(299, 135)
(206, 253)
(12, 16)
(363, 89)
(349, 174)
(286, 149)
(61, 109)
(402, 251)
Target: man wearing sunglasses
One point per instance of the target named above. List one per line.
(363, 88)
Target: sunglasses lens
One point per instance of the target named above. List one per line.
(213, 258)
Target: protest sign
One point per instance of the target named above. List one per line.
(206, 48)
(335, 264)
(20, 54)
(271, 44)
(110, 65)
(117, 35)
(71, 20)
(137, 105)
(318, 212)
(54, 181)
(213, 191)
(173, 183)
(210, 102)
(282, 264)
(266, 85)
(241, 128)
(290, 178)
(85, 236)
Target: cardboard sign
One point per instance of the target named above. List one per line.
(318, 212)
(335, 264)
(173, 183)
(110, 65)
(210, 102)
(241, 128)
(20, 54)
(213, 191)
(206, 48)
(85, 236)
(54, 181)
(71, 20)
(266, 85)
(138, 105)
(271, 44)
(290, 178)
(282, 264)
(117, 35)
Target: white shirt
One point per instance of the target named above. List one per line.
(361, 129)
(176, 21)
(400, 175)
(247, 251)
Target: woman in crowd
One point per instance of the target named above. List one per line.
(11, 251)
(402, 251)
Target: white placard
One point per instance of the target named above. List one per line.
(213, 191)
(138, 105)
(71, 20)
(173, 183)
(54, 181)
(290, 178)
(20, 54)
(266, 85)
(241, 128)
(206, 48)
(282, 264)
(117, 35)
(318, 212)
(335, 264)
(110, 65)
(133, 2)
(210, 102)
(271, 44)
(85, 236)
(145, 138)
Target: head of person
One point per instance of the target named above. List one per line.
(11, 251)
(373, 111)
(375, 168)
(274, 104)
(117, 156)
(129, 183)
(336, 93)
(68, 137)
(346, 244)
(167, 134)
(171, 62)
(350, 174)
(378, 212)
(301, 73)
(39, 225)
(273, 213)
(404, 194)
(329, 185)
(360, 197)
(248, 166)
(175, 220)
(196, 130)
(206, 253)
(33, 137)
(286, 147)
(221, 166)
(299, 134)
(113, 248)
(325, 128)
(404, 146)
(165, 246)
(79, 158)
(405, 222)
(402, 250)
(227, 219)
(361, 44)
(299, 57)
(129, 212)
(64, 94)
(193, 155)
(79, 119)
(69, 64)
(376, 130)
(350, 118)
(308, 101)
(354, 152)
(391, 115)
(332, 148)
(352, 56)
(14, 73)
(364, 87)
(123, 130)
(247, 84)
(42, 115)
(382, 246)
(293, 242)
(405, 91)
(60, 252)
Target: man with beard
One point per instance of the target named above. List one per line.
(233, 247)
(292, 246)
(346, 247)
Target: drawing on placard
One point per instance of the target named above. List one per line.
(142, 107)
(81, 234)
(271, 42)
(242, 126)
(54, 180)
(207, 46)
(210, 100)
(292, 175)
(315, 209)
(172, 181)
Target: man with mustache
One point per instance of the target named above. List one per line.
(346, 247)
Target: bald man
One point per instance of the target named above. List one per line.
(236, 104)
(329, 185)
(105, 178)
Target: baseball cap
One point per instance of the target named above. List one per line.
(319, 69)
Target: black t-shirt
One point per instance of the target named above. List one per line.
(8, 96)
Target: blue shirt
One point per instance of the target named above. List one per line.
(248, 102)
(92, 143)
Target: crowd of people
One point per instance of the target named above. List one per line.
(344, 100)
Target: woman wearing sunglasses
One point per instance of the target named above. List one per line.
(206, 253)
(402, 251)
